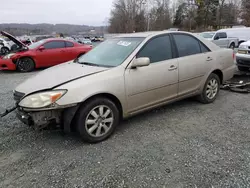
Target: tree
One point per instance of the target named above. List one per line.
(245, 12)
(127, 16)
(160, 18)
(180, 15)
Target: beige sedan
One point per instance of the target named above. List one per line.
(121, 77)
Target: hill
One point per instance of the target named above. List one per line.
(44, 28)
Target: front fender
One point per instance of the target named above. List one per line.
(107, 82)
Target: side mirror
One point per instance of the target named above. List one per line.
(41, 48)
(140, 62)
(216, 38)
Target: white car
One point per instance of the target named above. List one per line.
(221, 38)
(5, 46)
(243, 56)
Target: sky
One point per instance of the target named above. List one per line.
(82, 12)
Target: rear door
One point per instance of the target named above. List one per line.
(70, 51)
(195, 59)
(53, 53)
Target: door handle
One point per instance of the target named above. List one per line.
(209, 59)
(172, 67)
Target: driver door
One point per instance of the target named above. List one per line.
(151, 85)
(52, 54)
(222, 40)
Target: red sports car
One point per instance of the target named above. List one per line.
(44, 53)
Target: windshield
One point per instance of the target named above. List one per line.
(112, 52)
(207, 35)
(36, 44)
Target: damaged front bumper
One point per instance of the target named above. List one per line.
(7, 64)
(41, 119)
(55, 118)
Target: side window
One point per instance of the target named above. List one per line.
(69, 44)
(204, 48)
(222, 35)
(187, 45)
(54, 45)
(157, 49)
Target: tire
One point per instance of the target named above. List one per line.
(102, 116)
(4, 50)
(232, 46)
(25, 64)
(214, 82)
(244, 69)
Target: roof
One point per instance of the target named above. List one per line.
(56, 39)
(149, 34)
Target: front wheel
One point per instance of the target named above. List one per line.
(4, 50)
(210, 90)
(25, 64)
(96, 120)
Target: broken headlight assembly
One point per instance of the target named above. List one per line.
(8, 56)
(42, 100)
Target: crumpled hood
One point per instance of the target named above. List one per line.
(13, 39)
(56, 76)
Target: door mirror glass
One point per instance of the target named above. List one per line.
(140, 62)
(41, 48)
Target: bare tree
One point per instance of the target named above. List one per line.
(127, 16)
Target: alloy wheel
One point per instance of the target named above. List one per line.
(99, 121)
(212, 88)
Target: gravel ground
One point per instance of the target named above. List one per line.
(185, 144)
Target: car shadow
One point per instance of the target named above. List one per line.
(124, 126)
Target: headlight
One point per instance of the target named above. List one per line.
(243, 47)
(8, 56)
(43, 99)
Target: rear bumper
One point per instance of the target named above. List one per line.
(7, 64)
(243, 60)
(229, 73)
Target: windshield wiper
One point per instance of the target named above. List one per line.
(93, 64)
(90, 64)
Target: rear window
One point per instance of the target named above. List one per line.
(69, 44)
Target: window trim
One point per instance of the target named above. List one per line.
(222, 33)
(152, 38)
(53, 41)
(200, 42)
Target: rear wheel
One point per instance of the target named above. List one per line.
(243, 68)
(25, 64)
(96, 120)
(210, 90)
